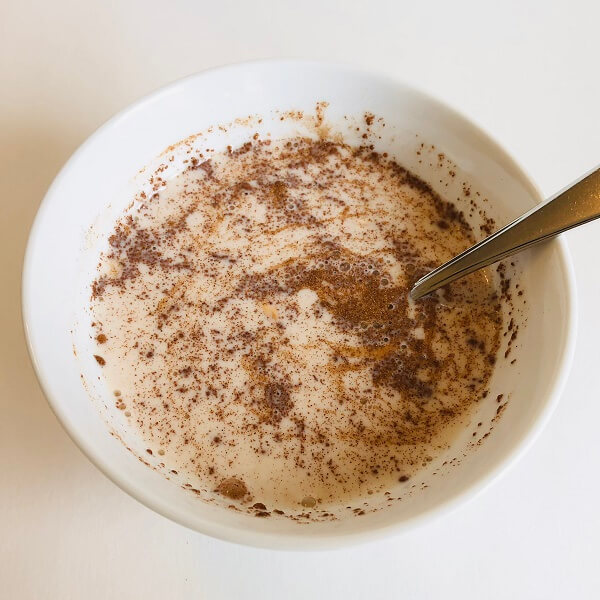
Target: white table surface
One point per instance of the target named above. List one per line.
(526, 71)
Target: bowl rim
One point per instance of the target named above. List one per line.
(338, 539)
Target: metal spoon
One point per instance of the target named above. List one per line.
(577, 204)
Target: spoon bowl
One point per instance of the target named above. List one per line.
(576, 205)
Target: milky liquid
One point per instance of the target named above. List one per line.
(254, 317)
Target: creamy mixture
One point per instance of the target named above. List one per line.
(253, 320)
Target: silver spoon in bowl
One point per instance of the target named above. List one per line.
(577, 204)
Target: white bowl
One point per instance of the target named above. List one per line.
(96, 184)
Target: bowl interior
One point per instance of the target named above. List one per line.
(99, 182)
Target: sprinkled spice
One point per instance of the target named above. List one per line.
(232, 488)
(260, 303)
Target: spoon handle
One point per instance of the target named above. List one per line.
(577, 204)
